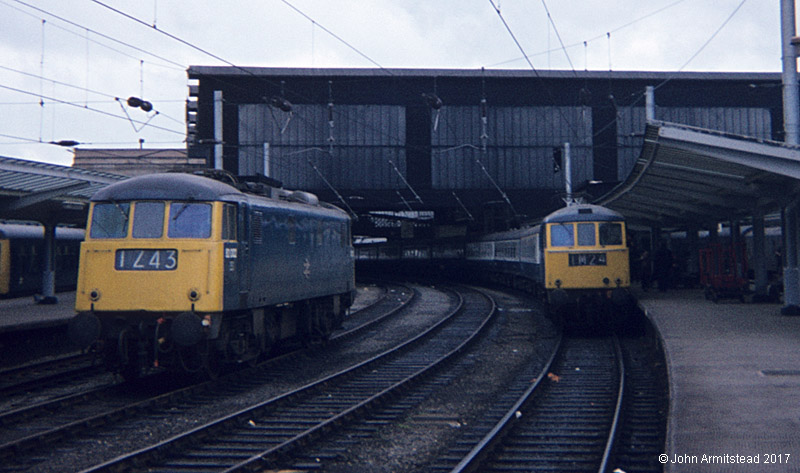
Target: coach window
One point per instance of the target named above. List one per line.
(562, 234)
(229, 222)
(610, 234)
(110, 220)
(187, 220)
(586, 234)
(148, 220)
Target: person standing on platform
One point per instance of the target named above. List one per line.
(662, 267)
(645, 272)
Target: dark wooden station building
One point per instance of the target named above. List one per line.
(455, 147)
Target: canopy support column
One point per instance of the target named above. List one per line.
(48, 295)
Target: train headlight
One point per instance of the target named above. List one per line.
(193, 294)
(94, 295)
(558, 283)
(606, 281)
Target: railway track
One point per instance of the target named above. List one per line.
(641, 423)
(600, 404)
(24, 430)
(31, 378)
(563, 421)
(261, 435)
(52, 378)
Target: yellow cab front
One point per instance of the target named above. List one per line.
(153, 256)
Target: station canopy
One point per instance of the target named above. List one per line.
(48, 193)
(688, 176)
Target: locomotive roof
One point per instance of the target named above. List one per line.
(190, 187)
(583, 213)
(167, 186)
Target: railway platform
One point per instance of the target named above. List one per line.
(734, 383)
(23, 313)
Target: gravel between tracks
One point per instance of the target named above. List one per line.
(109, 442)
(522, 335)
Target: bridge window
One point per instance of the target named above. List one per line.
(610, 234)
(110, 220)
(187, 220)
(586, 234)
(148, 220)
(562, 234)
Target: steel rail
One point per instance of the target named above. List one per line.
(482, 449)
(414, 370)
(612, 435)
(14, 447)
(476, 459)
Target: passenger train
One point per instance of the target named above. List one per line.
(188, 273)
(22, 258)
(576, 258)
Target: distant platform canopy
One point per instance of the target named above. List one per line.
(687, 175)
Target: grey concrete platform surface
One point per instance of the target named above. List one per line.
(24, 313)
(735, 383)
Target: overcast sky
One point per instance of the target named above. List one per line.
(63, 63)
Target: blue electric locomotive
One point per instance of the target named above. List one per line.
(187, 272)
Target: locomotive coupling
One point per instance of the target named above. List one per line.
(84, 329)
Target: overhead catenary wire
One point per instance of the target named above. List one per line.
(606, 35)
(558, 35)
(50, 20)
(334, 35)
(243, 69)
(178, 65)
(86, 90)
(706, 43)
(22, 139)
(225, 61)
(573, 131)
(73, 104)
(41, 84)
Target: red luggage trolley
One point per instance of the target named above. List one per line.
(723, 271)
